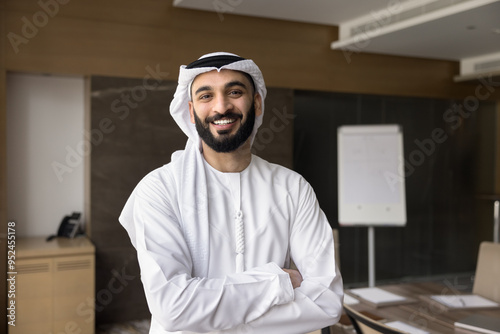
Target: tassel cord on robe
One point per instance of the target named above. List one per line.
(240, 242)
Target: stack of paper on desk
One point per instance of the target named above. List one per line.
(350, 300)
(465, 301)
(378, 297)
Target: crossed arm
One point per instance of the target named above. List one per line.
(266, 298)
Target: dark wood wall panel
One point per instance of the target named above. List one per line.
(446, 221)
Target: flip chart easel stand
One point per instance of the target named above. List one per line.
(371, 256)
(371, 184)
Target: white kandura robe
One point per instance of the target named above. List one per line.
(186, 251)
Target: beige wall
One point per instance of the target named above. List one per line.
(50, 130)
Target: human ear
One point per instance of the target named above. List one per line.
(191, 111)
(258, 104)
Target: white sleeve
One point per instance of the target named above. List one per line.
(179, 301)
(318, 301)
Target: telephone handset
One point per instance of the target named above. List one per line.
(69, 226)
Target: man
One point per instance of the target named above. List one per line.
(216, 228)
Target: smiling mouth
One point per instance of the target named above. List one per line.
(224, 121)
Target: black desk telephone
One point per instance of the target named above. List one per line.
(69, 226)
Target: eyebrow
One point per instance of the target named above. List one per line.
(226, 86)
(235, 83)
(202, 88)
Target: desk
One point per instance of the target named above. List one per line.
(424, 314)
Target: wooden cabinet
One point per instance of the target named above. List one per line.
(55, 286)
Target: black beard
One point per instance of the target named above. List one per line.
(225, 143)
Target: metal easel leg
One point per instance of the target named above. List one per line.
(371, 256)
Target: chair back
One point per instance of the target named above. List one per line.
(365, 325)
(487, 278)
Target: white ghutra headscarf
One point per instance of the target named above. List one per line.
(213, 61)
(193, 189)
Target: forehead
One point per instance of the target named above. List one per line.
(215, 78)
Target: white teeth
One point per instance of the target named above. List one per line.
(224, 121)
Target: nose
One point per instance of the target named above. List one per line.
(222, 104)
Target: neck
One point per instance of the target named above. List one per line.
(231, 162)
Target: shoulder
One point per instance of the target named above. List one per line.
(164, 176)
(158, 183)
(262, 164)
(276, 174)
(282, 182)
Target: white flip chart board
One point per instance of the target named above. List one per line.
(371, 183)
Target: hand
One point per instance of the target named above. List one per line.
(295, 277)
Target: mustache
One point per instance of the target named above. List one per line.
(228, 114)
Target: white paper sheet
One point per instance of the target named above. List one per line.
(350, 300)
(377, 295)
(405, 327)
(464, 301)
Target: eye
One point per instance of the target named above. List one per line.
(204, 96)
(235, 93)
